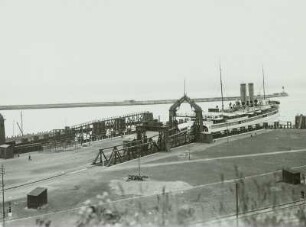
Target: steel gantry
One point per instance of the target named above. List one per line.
(198, 123)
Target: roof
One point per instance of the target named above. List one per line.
(292, 171)
(5, 145)
(37, 191)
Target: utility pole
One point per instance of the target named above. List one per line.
(139, 150)
(237, 201)
(188, 147)
(3, 206)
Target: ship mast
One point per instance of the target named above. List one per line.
(263, 82)
(221, 87)
(184, 86)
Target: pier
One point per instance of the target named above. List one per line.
(125, 103)
(87, 131)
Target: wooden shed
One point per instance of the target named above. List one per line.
(291, 177)
(300, 121)
(6, 151)
(37, 198)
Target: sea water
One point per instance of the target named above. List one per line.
(48, 119)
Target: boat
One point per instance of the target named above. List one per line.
(241, 117)
(248, 112)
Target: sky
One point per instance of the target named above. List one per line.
(102, 50)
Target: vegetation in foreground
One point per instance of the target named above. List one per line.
(170, 212)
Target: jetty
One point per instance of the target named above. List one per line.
(125, 102)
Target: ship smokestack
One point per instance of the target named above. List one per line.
(251, 93)
(243, 96)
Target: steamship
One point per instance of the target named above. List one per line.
(248, 113)
(245, 114)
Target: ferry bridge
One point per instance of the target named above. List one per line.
(169, 136)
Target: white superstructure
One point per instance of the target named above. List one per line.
(245, 114)
(241, 119)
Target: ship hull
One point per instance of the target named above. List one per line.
(240, 125)
(253, 121)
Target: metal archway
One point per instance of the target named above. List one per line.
(198, 123)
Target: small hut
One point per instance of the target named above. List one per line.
(291, 177)
(6, 151)
(37, 198)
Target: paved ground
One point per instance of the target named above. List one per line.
(206, 182)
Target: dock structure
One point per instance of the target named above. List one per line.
(125, 124)
(143, 145)
(113, 125)
(88, 131)
(125, 103)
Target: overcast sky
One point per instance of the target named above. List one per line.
(95, 50)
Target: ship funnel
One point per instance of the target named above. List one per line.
(251, 93)
(243, 94)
